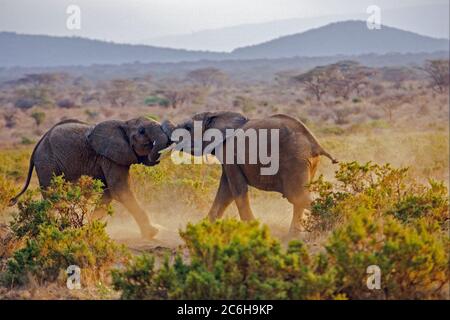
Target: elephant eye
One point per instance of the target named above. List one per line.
(141, 130)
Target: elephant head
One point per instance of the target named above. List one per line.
(210, 120)
(127, 142)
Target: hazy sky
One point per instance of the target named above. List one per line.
(132, 21)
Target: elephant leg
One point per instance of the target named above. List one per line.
(45, 173)
(296, 191)
(101, 211)
(239, 190)
(222, 200)
(297, 216)
(117, 180)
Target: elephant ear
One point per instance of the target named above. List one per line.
(110, 140)
(167, 127)
(223, 120)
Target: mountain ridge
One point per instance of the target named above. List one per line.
(338, 38)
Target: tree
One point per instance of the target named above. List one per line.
(438, 72)
(120, 92)
(178, 95)
(390, 103)
(347, 77)
(207, 77)
(315, 81)
(340, 79)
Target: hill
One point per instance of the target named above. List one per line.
(343, 38)
(40, 50)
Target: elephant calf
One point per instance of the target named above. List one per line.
(105, 152)
(299, 154)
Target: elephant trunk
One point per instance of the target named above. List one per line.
(167, 127)
(153, 156)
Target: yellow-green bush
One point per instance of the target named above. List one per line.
(229, 259)
(7, 192)
(381, 190)
(413, 259)
(47, 256)
(57, 233)
(66, 205)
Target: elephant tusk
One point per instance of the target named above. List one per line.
(168, 149)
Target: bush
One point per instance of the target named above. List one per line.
(228, 259)
(38, 117)
(7, 191)
(26, 141)
(156, 101)
(57, 232)
(8, 244)
(237, 260)
(46, 257)
(413, 259)
(381, 190)
(66, 204)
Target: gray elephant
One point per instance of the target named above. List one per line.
(104, 151)
(299, 153)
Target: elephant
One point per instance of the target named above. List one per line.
(104, 151)
(299, 153)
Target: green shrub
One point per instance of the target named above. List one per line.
(413, 259)
(155, 100)
(26, 141)
(57, 232)
(228, 259)
(38, 117)
(381, 190)
(47, 256)
(66, 204)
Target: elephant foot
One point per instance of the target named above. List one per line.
(149, 232)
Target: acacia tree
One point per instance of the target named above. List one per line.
(315, 81)
(390, 103)
(207, 77)
(120, 92)
(347, 77)
(438, 73)
(340, 79)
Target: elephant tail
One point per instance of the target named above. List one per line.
(326, 154)
(317, 149)
(14, 200)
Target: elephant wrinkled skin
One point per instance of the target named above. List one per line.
(299, 154)
(105, 152)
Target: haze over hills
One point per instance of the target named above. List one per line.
(42, 50)
(431, 19)
(341, 38)
(346, 38)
